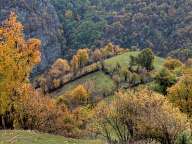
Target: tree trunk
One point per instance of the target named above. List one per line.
(3, 122)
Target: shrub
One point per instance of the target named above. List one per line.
(181, 93)
(59, 68)
(184, 138)
(165, 79)
(144, 59)
(140, 115)
(76, 97)
(172, 64)
(97, 55)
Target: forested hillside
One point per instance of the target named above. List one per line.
(163, 25)
(64, 26)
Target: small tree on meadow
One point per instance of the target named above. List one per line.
(83, 56)
(75, 63)
(144, 59)
(97, 55)
(165, 79)
(60, 67)
(76, 97)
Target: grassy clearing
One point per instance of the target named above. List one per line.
(124, 59)
(101, 82)
(30, 137)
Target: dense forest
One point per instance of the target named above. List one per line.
(95, 72)
(163, 25)
(64, 26)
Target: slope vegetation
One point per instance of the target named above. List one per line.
(102, 83)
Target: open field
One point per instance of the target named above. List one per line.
(101, 84)
(124, 60)
(31, 137)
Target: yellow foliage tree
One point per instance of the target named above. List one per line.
(141, 115)
(181, 92)
(97, 55)
(77, 96)
(60, 67)
(109, 47)
(17, 58)
(75, 63)
(83, 56)
(172, 64)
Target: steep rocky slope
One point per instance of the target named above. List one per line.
(40, 20)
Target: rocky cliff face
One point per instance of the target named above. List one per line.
(40, 21)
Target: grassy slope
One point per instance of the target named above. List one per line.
(30, 137)
(102, 81)
(124, 59)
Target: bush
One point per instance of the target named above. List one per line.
(76, 97)
(184, 138)
(181, 93)
(144, 59)
(59, 68)
(44, 114)
(165, 79)
(140, 115)
(172, 64)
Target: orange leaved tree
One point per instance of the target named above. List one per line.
(17, 59)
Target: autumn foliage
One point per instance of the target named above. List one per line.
(17, 58)
(59, 68)
(75, 97)
(181, 93)
(140, 115)
(21, 106)
(83, 56)
(172, 64)
(131, 115)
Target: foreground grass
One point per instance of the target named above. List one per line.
(30, 137)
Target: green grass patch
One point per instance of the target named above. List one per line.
(124, 60)
(102, 83)
(31, 137)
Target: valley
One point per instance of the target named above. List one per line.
(95, 72)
